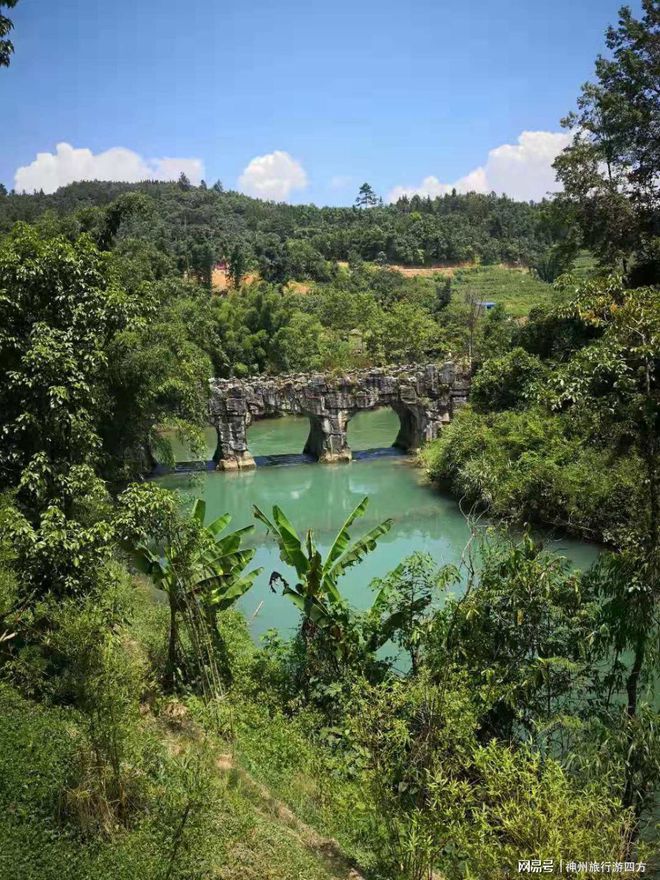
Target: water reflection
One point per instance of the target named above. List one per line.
(281, 440)
(321, 497)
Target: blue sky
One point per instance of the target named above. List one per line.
(410, 94)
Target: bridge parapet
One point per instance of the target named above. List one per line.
(424, 397)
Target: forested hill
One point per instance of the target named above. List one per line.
(197, 226)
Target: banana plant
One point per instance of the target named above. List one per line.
(198, 567)
(317, 594)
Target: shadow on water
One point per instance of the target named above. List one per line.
(276, 460)
(358, 455)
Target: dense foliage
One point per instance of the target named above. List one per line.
(610, 171)
(472, 716)
(196, 226)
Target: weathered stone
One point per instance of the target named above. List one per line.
(424, 397)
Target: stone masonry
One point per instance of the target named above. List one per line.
(424, 397)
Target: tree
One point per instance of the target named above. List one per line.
(612, 387)
(156, 381)
(6, 26)
(202, 572)
(517, 632)
(443, 294)
(614, 381)
(552, 263)
(237, 265)
(60, 306)
(272, 259)
(407, 334)
(507, 382)
(403, 602)
(610, 171)
(298, 346)
(183, 182)
(325, 617)
(366, 197)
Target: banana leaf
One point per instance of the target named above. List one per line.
(227, 597)
(291, 550)
(359, 549)
(199, 510)
(343, 539)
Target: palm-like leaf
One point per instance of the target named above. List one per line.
(359, 549)
(220, 524)
(198, 512)
(343, 538)
(311, 606)
(317, 595)
(216, 568)
(291, 548)
(224, 598)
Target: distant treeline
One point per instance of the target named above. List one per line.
(196, 226)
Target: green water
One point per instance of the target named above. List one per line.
(287, 435)
(321, 497)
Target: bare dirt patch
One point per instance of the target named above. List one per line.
(446, 269)
(221, 283)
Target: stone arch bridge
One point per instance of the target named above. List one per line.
(424, 397)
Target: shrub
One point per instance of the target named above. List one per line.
(526, 466)
(507, 382)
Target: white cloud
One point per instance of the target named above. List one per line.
(67, 164)
(523, 170)
(273, 176)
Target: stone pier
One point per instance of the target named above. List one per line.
(424, 397)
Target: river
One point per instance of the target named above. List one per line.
(320, 496)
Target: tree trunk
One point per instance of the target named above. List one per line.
(170, 669)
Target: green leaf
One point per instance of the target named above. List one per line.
(311, 607)
(199, 510)
(342, 540)
(237, 588)
(218, 525)
(291, 550)
(398, 619)
(360, 549)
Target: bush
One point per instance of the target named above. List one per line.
(463, 809)
(527, 467)
(507, 382)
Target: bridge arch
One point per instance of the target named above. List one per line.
(375, 428)
(424, 398)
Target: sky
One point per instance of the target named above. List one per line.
(297, 100)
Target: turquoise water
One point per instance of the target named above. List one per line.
(288, 434)
(321, 497)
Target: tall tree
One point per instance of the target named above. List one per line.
(366, 197)
(612, 387)
(610, 172)
(60, 305)
(238, 261)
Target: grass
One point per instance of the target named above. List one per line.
(584, 264)
(234, 836)
(518, 290)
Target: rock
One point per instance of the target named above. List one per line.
(424, 397)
